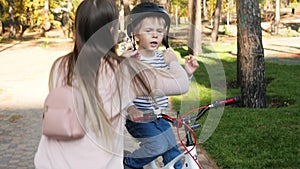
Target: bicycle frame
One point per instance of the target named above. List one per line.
(189, 162)
(190, 154)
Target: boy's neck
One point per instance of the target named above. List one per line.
(147, 53)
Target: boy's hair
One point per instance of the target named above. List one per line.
(146, 9)
(159, 19)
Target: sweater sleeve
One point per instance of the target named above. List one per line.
(175, 83)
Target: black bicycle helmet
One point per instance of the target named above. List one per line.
(146, 9)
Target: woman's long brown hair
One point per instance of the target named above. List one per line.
(96, 27)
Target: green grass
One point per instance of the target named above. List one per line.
(251, 138)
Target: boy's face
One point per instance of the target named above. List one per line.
(151, 33)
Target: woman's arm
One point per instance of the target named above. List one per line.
(140, 79)
(173, 81)
(159, 82)
(176, 82)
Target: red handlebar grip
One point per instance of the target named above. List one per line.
(227, 101)
(231, 100)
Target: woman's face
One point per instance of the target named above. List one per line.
(151, 33)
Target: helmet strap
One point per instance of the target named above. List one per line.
(165, 39)
(165, 43)
(133, 41)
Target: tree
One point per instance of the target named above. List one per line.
(195, 39)
(123, 12)
(250, 56)
(11, 11)
(47, 24)
(217, 14)
(229, 9)
(178, 8)
(205, 10)
(277, 16)
(126, 4)
(3, 6)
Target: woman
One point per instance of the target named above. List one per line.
(107, 83)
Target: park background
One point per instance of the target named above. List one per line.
(245, 137)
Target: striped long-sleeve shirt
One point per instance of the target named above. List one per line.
(147, 103)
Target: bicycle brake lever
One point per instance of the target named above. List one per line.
(195, 126)
(175, 123)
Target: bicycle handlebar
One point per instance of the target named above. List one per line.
(225, 102)
(201, 112)
(217, 104)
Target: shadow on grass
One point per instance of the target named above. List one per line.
(284, 60)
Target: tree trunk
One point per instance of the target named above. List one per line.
(268, 5)
(176, 16)
(251, 54)
(231, 8)
(215, 31)
(126, 10)
(70, 5)
(277, 17)
(191, 19)
(122, 17)
(126, 7)
(195, 39)
(12, 32)
(46, 10)
(47, 24)
(205, 10)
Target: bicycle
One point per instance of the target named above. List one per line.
(190, 153)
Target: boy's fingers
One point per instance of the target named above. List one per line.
(188, 58)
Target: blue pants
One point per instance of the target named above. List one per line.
(157, 139)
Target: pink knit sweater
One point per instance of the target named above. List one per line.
(88, 153)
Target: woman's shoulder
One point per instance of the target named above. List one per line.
(58, 72)
(57, 62)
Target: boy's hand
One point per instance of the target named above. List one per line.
(135, 114)
(191, 65)
(170, 56)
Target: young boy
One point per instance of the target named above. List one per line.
(148, 26)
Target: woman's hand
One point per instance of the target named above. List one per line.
(170, 56)
(131, 54)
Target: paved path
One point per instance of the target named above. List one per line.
(24, 69)
(283, 50)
